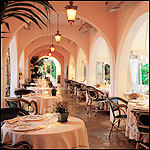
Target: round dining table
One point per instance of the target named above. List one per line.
(57, 135)
(131, 129)
(38, 89)
(44, 101)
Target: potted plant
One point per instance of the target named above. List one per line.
(62, 111)
(50, 84)
(54, 91)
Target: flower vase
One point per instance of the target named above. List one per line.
(54, 92)
(63, 117)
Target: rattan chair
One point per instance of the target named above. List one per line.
(19, 145)
(101, 101)
(21, 91)
(16, 102)
(98, 98)
(10, 113)
(119, 109)
(143, 124)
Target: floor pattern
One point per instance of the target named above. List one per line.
(97, 127)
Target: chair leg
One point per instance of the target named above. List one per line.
(111, 128)
(118, 123)
(138, 142)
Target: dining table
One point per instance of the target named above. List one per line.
(44, 101)
(131, 128)
(43, 89)
(47, 134)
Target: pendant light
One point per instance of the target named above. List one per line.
(71, 12)
(49, 54)
(57, 35)
(52, 47)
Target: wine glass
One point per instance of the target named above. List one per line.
(31, 110)
(46, 116)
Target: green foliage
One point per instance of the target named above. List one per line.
(107, 73)
(23, 10)
(145, 74)
(53, 70)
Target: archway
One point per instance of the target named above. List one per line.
(123, 56)
(50, 67)
(99, 63)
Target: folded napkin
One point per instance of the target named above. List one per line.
(12, 120)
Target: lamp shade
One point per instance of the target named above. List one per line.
(49, 54)
(52, 48)
(57, 37)
(71, 12)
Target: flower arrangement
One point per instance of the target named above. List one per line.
(61, 107)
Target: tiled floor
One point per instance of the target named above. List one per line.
(97, 127)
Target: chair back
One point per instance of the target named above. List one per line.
(142, 117)
(10, 113)
(12, 102)
(21, 91)
(114, 104)
(92, 94)
(16, 102)
(19, 145)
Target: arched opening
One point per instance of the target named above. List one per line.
(139, 61)
(49, 67)
(99, 64)
(132, 42)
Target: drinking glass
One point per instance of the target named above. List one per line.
(31, 110)
(46, 115)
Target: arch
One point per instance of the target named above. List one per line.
(123, 54)
(99, 54)
(57, 64)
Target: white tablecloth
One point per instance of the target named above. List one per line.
(68, 135)
(43, 101)
(131, 130)
(40, 89)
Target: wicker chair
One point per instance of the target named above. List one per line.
(143, 124)
(16, 102)
(19, 145)
(21, 91)
(98, 98)
(118, 111)
(10, 113)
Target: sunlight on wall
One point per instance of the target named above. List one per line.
(21, 68)
(99, 53)
(81, 64)
(13, 64)
(71, 72)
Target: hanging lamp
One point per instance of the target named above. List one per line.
(52, 49)
(71, 12)
(49, 54)
(57, 35)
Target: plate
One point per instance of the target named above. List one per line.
(33, 118)
(134, 101)
(24, 127)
